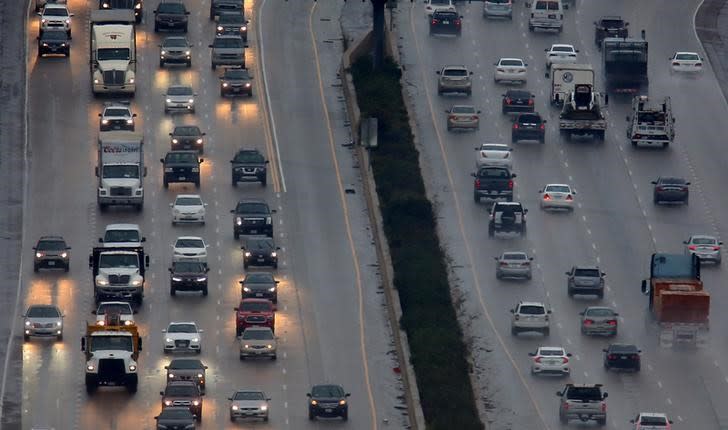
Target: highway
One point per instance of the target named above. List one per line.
(331, 319)
(615, 224)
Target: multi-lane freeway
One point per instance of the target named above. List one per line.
(331, 321)
(615, 224)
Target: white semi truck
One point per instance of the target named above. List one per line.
(120, 169)
(113, 52)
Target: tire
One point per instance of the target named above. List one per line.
(264, 182)
(222, 93)
(172, 292)
(655, 200)
(156, 27)
(234, 181)
(546, 332)
(91, 384)
(35, 268)
(174, 223)
(543, 140)
(242, 357)
(232, 419)
(449, 128)
(476, 198)
(514, 138)
(498, 275)
(184, 29)
(67, 267)
(26, 337)
(687, 199)
(345, 416)
(311, 415)
(602, 422)
(103, 207)
(238, 331)
(161, 64)
(562, 418)
(213, 65)
(638, 367)
(606, 366)
(275, 265)
(139, 207)
(245, 265)
(204, 292)
(600, 294)
(491, 232)
(570, 292)
(132, 387)
(530, 28)
(197, 183)
(514, 331)
(165, 182)
(236, 235)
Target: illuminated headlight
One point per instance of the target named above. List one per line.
(342, 402)
(104, 121)
(247, 85)
(234, 407)
(102, 282)
(128, 322)
(201, 279)
(130, 121)
(58, 332)
(106, 5)
(243, 28)
(162, 53)
(272, 289)
(131, 80)
(132, 368)
(167, 402)
(274, 254)
(195, 169)
(196, 402)
(43, 21)
(27, 331)
(247, 253)
(64, 254)
(200, 375)
(138, 6)
(27, 323)
(314, 402)
(176, 279)
(38, 254)
(269, 346)
(268, 220)
(239, 221)
(196, 339)
(246, 346)
(45, 44)
(171, 375)
(58, 323)
(100, 322)
(96, 81)
(175, 141)
(136, 282)
(246, 289)
(199, 141)
(63, 45)
(68, 21)
(224, 84)
(169, 100)
(219, 28)
(188, 52)
(264, 408)
(168, 170)
(191, 100)
(169, 340)
(90, 367)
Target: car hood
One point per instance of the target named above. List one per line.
(182, 336)
(249, 403)
(35, 320)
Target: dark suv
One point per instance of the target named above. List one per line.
(517, 101)
(328, 401)
(529, 126)
(183, 393)
(583, 402)
(51, 252)
(218, 7)
(260, 285)
(188, 276)
(446, 22)
(585, 280)
(670, 189)
(54, 42)
(249, 165)
(187, 137)
(236, 80)
(252, 216)
(507, 217)
(170, 15)
(233, 23)
(610, 26)
(187, 369)
(260, 251)
(181, 166)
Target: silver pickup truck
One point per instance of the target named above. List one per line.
(583, 402)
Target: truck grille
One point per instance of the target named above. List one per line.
(120, 191)
(181, 403)
(253, 221)
(119, 279)
(181, 343)
(111, 369)
(114, 77)
(255, 319)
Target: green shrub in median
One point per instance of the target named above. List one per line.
(420, 272)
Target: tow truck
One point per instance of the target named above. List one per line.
(651, 124)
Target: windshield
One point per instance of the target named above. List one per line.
(248, 395)
(130, 261)
(599, 313)
(326, 391)
(116, 112)
(552, 352)
(175, 8)
(463, 109)
(252, 208)
(56, 11)
(256, 306)
(237, 74)
(231, 18)
(182, 328)
(102, 343)
(121, 172)
(175, 42)
(228, 42)
(612, 23)
(562, 49)
(188, 201)
(181, 157)
(113, 308)
(257, 335)
(51, 245)
(532, 310)
(106, 54)
(592, 273)
(557, 189)
(188, 267)
(186, 364)
(181, 390)
(179, 91)
(584, 393)
(691, 57)
(249, 157)
(113, 236)
(259, 278)
(43, 312)
(704, 241)
(264, 245)
(187, 131)
(189, 243)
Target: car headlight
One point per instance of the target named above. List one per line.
(96, 81)
(171, 375)
(199, 141)
(104, 121)
(38, 254)
(45, 44)
(219, 28)
(342, 402)
(224, 84)
(195, 339)
(274, 254)
(102, 282)
(200, 375)
(63, 45)
(234, 407)
(128, 322)
(191, 100)
(167, 402)
(28, 323)
(131, 80)
(64, 254)
(68, 21)
(188, 52)
(176, 279)
(238, 221)
(169, 340)
(246, 289)
(90, 367)
(43, 21)
(169, 100)
(163, 52)
(269, 346)
(264, 408)
(314, 402)
(247, 253)
(130, 121)
(246, 346)
(136, 282)
(132, 368)
(105, 5)
(243, 28)
(138, 6)
(100, 322)
(196, 402)
(175, 141)
(272, 289)
(247, 85)
(268, 220)
(58, 323)
(201, 279)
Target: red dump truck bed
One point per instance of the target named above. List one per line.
(682, 306)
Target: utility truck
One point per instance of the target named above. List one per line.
(111, 352)
(120, 169)
(565, 76)
(651, 124)
(582, 113)
(625, 64)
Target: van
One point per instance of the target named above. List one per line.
(546, 14)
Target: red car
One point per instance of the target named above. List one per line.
(254, 312)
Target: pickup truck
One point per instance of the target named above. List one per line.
(493, 182)
(254, 312)
(583, 402)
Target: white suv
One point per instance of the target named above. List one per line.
(530, 316)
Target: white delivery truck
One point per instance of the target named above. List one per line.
(565, 76)
(113, 52)
(120, 169)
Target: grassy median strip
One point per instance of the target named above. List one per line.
(420, 271)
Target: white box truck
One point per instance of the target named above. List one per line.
(120, 169)
(113, 52)
(565, 76)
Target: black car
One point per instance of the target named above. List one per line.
(446, 22)
(252, 216)
(187, 137)
(528, 126)
(507, 217)
(51, 252)
(188, 276)
(187, 369)
(170, 15)
(236, 80)
(175, 417)
(517, 101)
(670, 189)
(610, 26)
(260, 251)
(249, 165)
(54, 42)
(622, 356)
(233, 23)
(328, 401)
(181, 166)
(183, 393)
(218, 7)
(260, 285)
(136, 5)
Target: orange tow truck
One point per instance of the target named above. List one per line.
(111, 351)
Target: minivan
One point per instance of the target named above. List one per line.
(546, 14)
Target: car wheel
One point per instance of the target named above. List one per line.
(570, 292)
(165, 183)
(602, 422)
(184, 29)
(514, 138)
(687, 199)
(655, 200)
(204, 292)
(242, 357)
(172, 292)
(238, 331)
(174, 223)
(156, 27)
(636, 368)
(236, 235)
(189, 64)
(491, 232)
(60, 339)
(232, 419)
(35, 268)
(197, 183)
(311, 415)
(265, 419)
(275, 265)
(600, 294)
(67, 267)
(264, 182)
(245, 265)
(345, 416)
(476, 198)
(606, 366)
(213, 65)
(498, 275)
(563, 418)
(546, 332)
(530, 28)
(514, 331)
(161, 64)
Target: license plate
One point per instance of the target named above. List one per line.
(622, 358)
(258, 294)
(328, 410)
(182, 178)
(446, 22)
(51, 263)
(253, 231)
(494, 192)
(261, 260)
(171, 24)
(552, 16)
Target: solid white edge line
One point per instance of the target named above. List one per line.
(9, 345)
(267, 94)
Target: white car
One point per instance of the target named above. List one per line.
(560, 54)
(190, 248)
(249, 404)
(183, 336)
(179, 98)
(123, 309)
(55, 17)
(651, 421)
(116, 116)
(551, 360)
(188, 208)
(686, 62)
(433, 5)
(122, 236)
(493, 154)
(511, 70)
(557, 196)
(707, 248)
(530, 316)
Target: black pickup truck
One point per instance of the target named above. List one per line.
(493, 182)
(181, 166)
(609, 26)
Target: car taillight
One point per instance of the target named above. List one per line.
(635, 357)
(434, 21)
(546, 197)
(477, 183)
(537, 359)
(451, 117)
(503, 264)
(530, 102)
(692, 247)
(638, 136)
(510, 184)
(588, 322)
(515, 126)
(542, 126)
(716, 248)
(564, 360)
(604, 407)
(612, 322)
(457, 23)
(684, 188)
(659, 189)
(474, 117)
(569, 197)
(611, 357)
(508, 100)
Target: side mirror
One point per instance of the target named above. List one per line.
(576, 50)
(548, 311)
(559, 393)
(604, 274)
(566, 6)
(230, 398)
(144, 239)
(170, 134)
(99, 114)
(513, 175)
(161, 393)
(166, 367)
(170, 269)
(525, 211)
(447, 110)
(687, 183)
(308, 394)
(626, 24)
(235, 309)
(133, 115)
(278, 248)
(639, 351)
(512, 310)
(604, 350)
(273, 211)
(616, 314)
(202, 160)
(567, 273)
(720, 243)
(595, 23)
(479, 111)
(653, 182)
(605, 395)
(496, 258)
(210, 46)
(472, 174)
(581, 313)
(568, 354)
(161, 160)
(471, 73)
(438, 72)
(135, 311)
(171, 205)
(545, 121)
(347, 394)
(207, 269)
(540, 191)
(204, 134)
(530, 258)
(232, 211)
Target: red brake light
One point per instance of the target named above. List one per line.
(565, 404)
(515, 126)
(635, 357)
(434, 21)
(503, 264)
(612, 322)
(569, 197)
(542, 126)
(530, 102)
(658, 188)
(546, 197)
(692, 247)
(604, 407)
(611, 357)
(537, 360)
(457, 23)
(451, 117)
(588, 322)
(477, 183)
(508, 100)
(474, 117)
(685, 188)
(564, 360)
(716, 248)
(510, 184)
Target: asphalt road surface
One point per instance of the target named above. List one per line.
(615, 224)
(331, 318)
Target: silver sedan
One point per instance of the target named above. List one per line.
(707, 248)
(513, 265)
(463, 117)
(550, 360)
(599, 320)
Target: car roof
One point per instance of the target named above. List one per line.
(51, 238)
(532, 304)
(188, 196)
(190, 237)
(577, 266)
(500, 145)
(514, 253)
(122, 227)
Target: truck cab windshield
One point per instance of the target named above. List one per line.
(106, 54)
(107, 261)
(107, 343)
(120, 172)
(113, 236)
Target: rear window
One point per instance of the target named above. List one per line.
(704, 241)
(446, 15)
(552, 352)
(599, 313)
(517, 63)
(562, 49)
(691, 57)
(613, 23)
(653, 421)
(494, 173)
(455, 72)
(518, 94)
(558, 189)
(587, 272)
(584, 393)
(532, 310)
(672, 181)
(514, 256)
(526, 119)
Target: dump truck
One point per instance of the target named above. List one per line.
(120, 169)
(651, 124)
(677, 300)
(625, 64)
(118, 273)
(565, 76)
(582, 113)
(111, 353)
